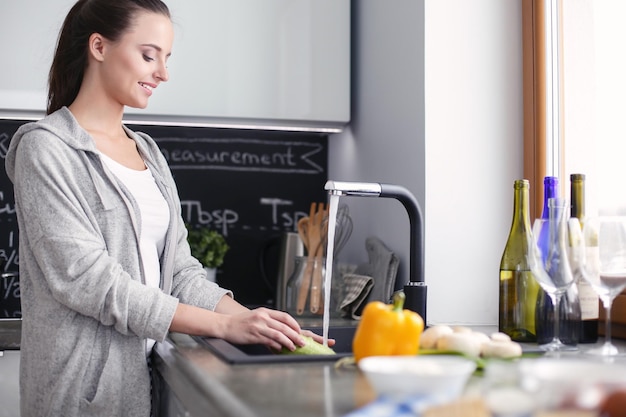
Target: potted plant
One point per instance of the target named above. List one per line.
(209, 247)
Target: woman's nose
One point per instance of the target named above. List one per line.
(162, 73)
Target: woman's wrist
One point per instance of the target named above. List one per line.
(199, 321)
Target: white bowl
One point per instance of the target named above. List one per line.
(436, 377)
(561, 382)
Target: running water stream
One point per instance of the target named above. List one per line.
(328, 276)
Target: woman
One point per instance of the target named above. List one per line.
(104, 263)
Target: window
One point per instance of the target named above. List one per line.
(574, 88)
(594, 92)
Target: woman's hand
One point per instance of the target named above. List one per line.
(271, 328)
(235, 323)
(317, 337)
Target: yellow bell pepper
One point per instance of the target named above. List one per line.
(387, 330)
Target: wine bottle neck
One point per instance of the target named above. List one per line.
(550, 190)
(578, 196)
(521, 207)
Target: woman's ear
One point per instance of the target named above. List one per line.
(96, 46)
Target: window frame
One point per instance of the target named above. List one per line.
(536, 71)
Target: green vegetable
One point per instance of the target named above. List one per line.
(481, 363)
(310, 348)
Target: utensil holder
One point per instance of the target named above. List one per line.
(304, 275)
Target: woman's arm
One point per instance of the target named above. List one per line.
(233, 322)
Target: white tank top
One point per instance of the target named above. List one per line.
(155, 215)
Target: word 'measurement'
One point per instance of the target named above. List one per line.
(242, 155)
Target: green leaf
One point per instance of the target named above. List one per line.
(207, 245)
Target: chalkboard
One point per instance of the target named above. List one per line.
(250, 185)
(9, 257)
(10, 306)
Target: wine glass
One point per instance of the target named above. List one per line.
(604, 267)
(548, 258)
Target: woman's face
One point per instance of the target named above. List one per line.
(135, 65)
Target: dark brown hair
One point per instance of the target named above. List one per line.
(111, 19)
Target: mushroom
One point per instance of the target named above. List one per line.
(465, 343)
(502, 349)
(461, 329)
(501, 337)
(432, 334)
(480, 337)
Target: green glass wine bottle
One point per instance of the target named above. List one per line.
(518, 288)
(588, 298)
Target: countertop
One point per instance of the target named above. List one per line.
(204, 383)
(259, 390)
(10, 334)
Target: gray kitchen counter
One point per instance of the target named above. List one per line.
(10, 334)
(196, 382)
(202, 384)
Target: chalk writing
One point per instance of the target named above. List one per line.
(221, 219)
(289, 219)
(9, 257)
(5, 207)
(10, 286)
(4, 144)
(10, 296)
(227, 154)
(226, 219)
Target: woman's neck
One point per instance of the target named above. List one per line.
(98, 117)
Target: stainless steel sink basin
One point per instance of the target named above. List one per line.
(248, 354)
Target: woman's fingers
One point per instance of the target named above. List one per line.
(269, 327)
(284, 329)
(273, 328)
(318, 338)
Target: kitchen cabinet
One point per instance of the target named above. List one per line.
(274, 62)
(9, 383)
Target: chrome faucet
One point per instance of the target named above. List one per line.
(415, 289)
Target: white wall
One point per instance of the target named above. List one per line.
(437, 107)
(385, 141)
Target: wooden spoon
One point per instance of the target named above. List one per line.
(303, 232)
(316, 286)
(314, 238)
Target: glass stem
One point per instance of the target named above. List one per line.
(607, 321)
(556, 300)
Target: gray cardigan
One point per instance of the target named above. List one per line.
(86, 311)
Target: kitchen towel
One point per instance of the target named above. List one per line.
(356, 289)
(382, 267)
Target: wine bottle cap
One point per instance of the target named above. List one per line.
(523, 183)
(548, 181)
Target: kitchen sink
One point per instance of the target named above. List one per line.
(249, 354)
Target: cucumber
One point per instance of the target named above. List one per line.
(310, 348)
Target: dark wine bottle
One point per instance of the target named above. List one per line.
(589, 302)
(569, 307)
(518, 288)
